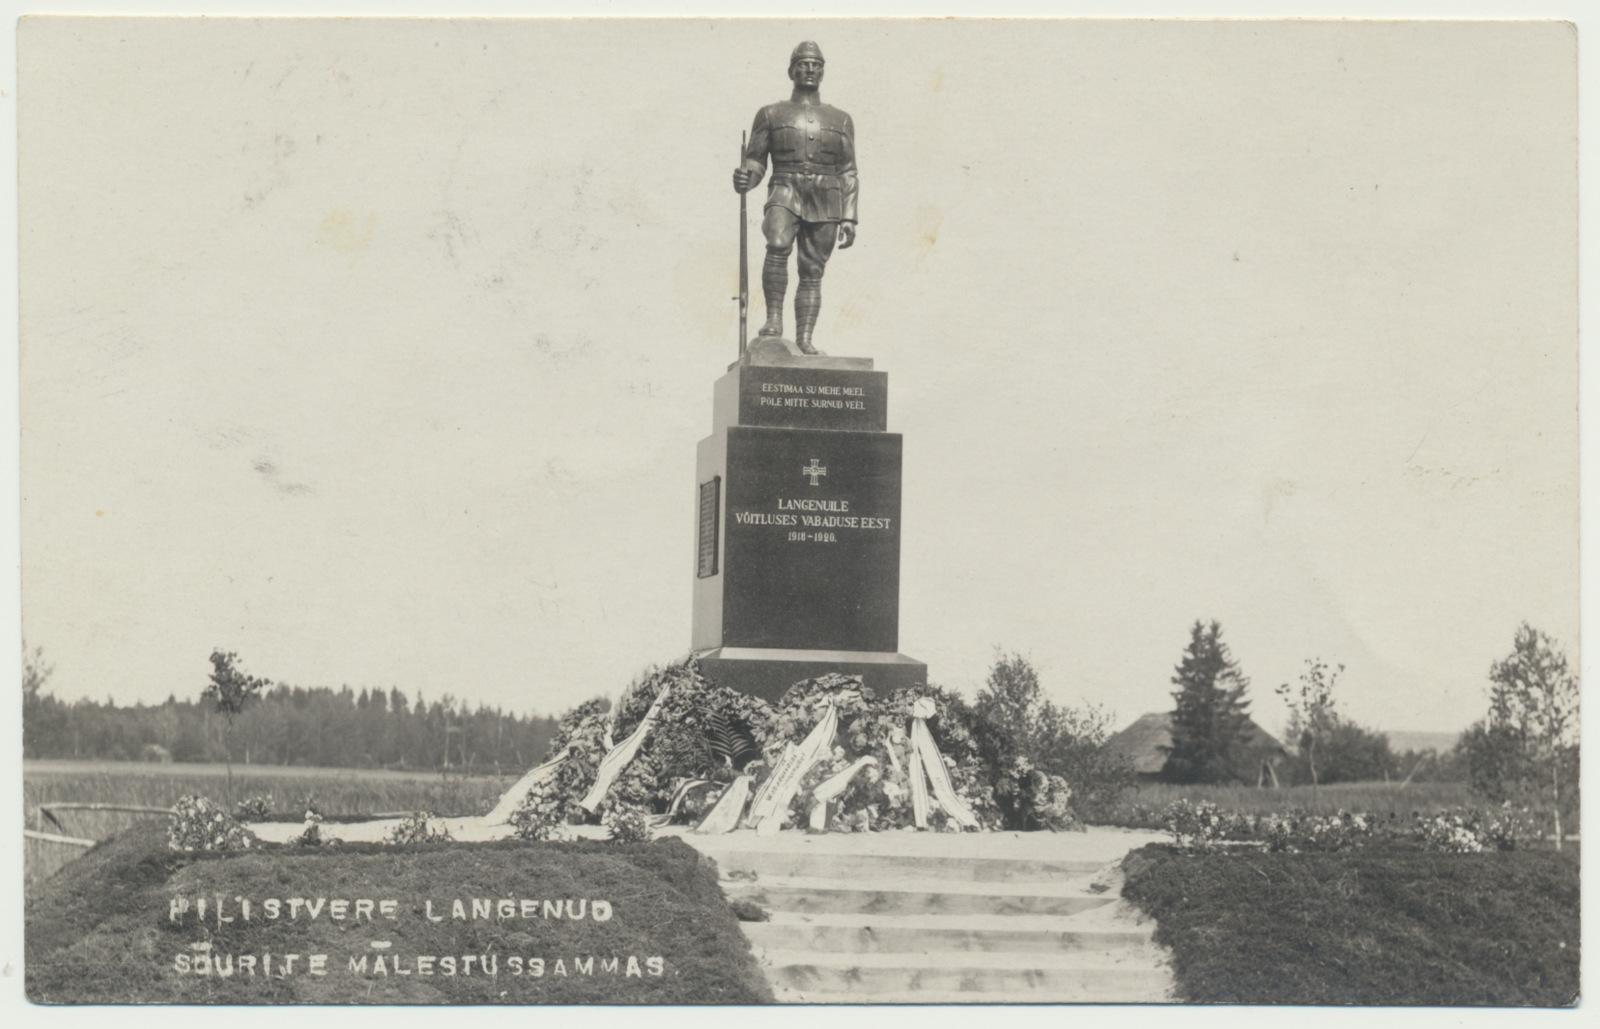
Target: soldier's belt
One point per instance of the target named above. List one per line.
(805, 171)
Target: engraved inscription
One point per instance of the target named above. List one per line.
(819, 397)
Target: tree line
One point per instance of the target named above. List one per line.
(1214, 739)
(285, 725)
(1524, 751)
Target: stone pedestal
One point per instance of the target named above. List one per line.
(798, 550)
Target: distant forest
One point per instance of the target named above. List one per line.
(292, 725)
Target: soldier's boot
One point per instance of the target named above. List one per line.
(807, 305)
(774, 285)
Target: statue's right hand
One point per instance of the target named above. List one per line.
(741, 180)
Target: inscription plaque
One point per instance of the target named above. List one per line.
(710, 498)
(812, 540)
(848, 400)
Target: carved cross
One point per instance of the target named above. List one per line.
(814, 471)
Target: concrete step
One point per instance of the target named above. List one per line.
(816, 894)
(844, 867)
(1083, 977)
(857, 933)
(943, 918)
(1146, 993)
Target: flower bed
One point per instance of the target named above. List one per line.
(1206, 828)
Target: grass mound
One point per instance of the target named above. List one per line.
(1373, 926)
(491, 923)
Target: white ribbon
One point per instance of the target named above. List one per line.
(919, 786)
(830, 788)
(725, 813)
(679, 795)
(925, 752)
(618, 757)
(772, 803)
(791, 752)
(513, 798)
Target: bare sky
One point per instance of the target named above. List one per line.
(378, 352)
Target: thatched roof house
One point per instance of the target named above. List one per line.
(1142, 741)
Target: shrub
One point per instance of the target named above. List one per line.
(1017, 730)
(254, 809)
(199, 824)
(1077, 752)
(1343, 752)
(418, 828)
(626, 823)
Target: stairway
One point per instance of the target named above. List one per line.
(1006, 918)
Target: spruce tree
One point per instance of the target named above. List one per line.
(1210, 723)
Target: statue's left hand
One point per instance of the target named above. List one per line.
(847, 234)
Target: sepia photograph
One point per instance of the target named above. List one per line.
(821, 511)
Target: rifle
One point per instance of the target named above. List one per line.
(744, 265)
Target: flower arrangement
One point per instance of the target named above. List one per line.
(706, 735)
(311, 835)
(553, 804)
(1040, 800)
(199, 824)
(880, 796)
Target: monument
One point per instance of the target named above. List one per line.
(811, 198)
(797, 565)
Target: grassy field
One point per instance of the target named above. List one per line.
(1383, 926)
(369, 791)
(335, 791)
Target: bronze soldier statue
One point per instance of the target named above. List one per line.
(812, 195)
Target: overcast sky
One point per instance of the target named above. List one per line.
(378, 352)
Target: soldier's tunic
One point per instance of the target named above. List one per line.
(813, 151)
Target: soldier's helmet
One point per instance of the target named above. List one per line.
(806, 49)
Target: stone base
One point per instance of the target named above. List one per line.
(768, 673)
(780, 352)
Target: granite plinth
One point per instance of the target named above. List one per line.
(798, 511)
(767, 673)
